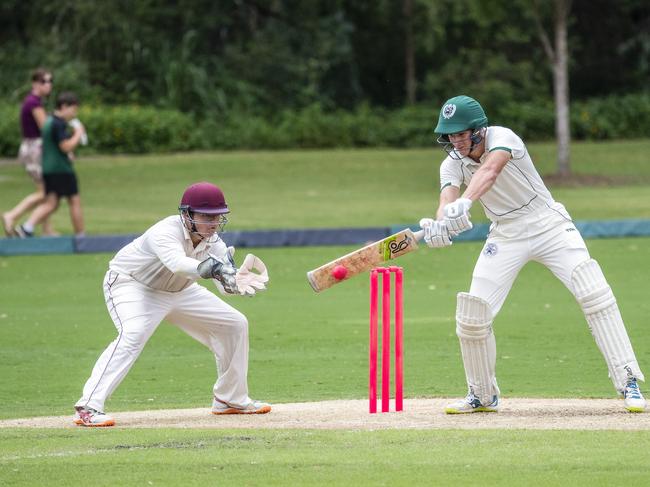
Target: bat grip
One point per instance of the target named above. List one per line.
(419, 235)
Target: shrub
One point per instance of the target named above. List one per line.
(137, 129)
(530, 121)
(612, 117)
(9, 130)
(411, 126)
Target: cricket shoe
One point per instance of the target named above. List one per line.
(253, 407)
(85, 416)
(21, 232)
(634, 400)
(472, 404)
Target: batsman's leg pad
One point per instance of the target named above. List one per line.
(605, 322)
(477, 345)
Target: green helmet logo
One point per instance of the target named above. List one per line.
(460, 113)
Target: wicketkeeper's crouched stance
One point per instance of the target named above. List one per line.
(154, 278)
(527, 225)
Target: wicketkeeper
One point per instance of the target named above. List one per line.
(154, 278)
(494, 166)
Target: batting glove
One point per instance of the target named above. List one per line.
(457, 217)
(435, 233)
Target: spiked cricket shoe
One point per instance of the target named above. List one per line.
(634, 400)
(472, 404)
(253, 407)
(85, 416)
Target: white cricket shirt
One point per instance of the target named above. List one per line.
(518, 189)
(164, 257)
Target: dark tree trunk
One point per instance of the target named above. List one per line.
(558, 55)
(409, 52)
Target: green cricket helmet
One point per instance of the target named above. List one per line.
(458, 114)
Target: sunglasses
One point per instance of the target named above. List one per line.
(45, 81)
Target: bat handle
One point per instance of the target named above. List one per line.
(419, 235)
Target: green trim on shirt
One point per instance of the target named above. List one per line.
(507, 149)
(448, 184)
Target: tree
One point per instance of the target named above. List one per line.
(409, 51)
(558, 56)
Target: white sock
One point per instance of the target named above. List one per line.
(28, 227)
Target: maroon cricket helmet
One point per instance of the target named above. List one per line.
(204, 198)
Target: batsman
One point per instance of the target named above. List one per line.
(494, 168)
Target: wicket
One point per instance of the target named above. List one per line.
(385, 340)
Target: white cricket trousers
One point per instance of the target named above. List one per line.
(547, 236)
(137, 310)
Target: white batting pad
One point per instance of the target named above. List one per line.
(605, 322)
(477, 345)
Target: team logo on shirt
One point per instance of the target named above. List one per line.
(448, 110)
(490, 250)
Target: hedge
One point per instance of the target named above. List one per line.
(118, 129)
(137, 129)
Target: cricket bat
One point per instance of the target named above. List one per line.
(364, 259)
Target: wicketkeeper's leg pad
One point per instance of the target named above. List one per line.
(477, 345)
(605, 322)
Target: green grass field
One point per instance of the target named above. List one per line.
(279, 458)
(322, 188)
(307, 347)
(294, 332)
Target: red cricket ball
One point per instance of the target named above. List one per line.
(339, 272)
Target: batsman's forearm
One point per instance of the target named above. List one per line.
(480, 184)
(487, 174)
(447, 195)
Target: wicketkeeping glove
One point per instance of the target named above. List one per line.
(222, 269)
(457, 216)
(435, 232)
(250, 282)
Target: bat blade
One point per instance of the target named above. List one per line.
(365, 258)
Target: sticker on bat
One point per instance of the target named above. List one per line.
(391, 247)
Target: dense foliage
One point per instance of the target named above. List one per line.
(193, 74)
(264, 56)
(136, 129)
